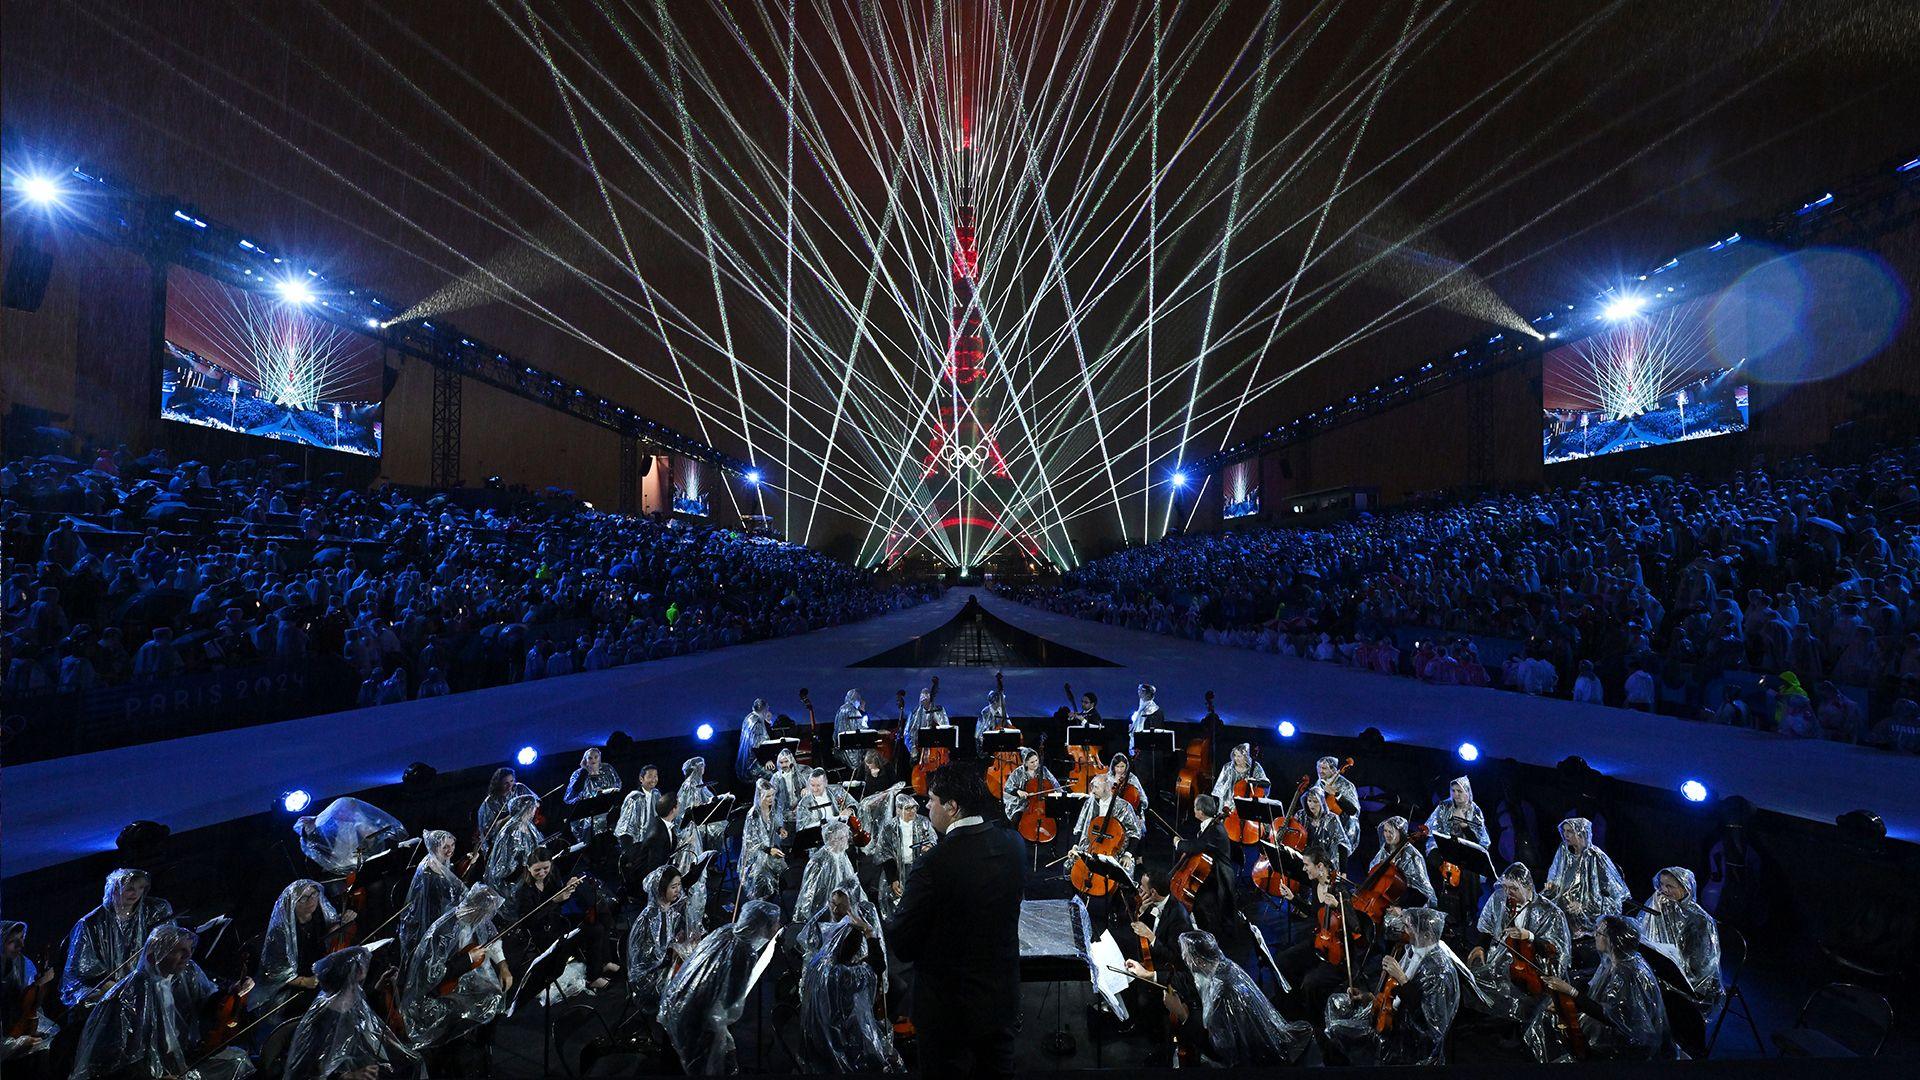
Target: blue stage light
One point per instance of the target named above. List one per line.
(527, 755)
(294, 291)
(40, 190)
(373, 323)
(1286, 729)
(1180, 479)
(1468, 752)
(753, 477)
(1694, 791)
(703, 732)
(296, 801)
(1624, 306)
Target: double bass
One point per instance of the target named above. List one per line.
(1086, 759)
(1197, 765)
(930, 757)
(1005, 761)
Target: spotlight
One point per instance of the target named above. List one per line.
(703, 732)
(1286, 729)
(1372, 739)
(373, 323)
(294, 291)
(1624, 306)
(418, 775)
(1694, 791)
(296, 801)
(140, 841)
(753, 477)
(1180, 479)
(40, 190)
(527, 756)
(1468, 752)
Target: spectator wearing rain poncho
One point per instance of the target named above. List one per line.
(1621, 1009)
(1514, 912)
(341, 1034)
(17, 973)
(1407, 858)
(1582, 878)
(106, 942)
(1674, 920)
(763, 838)
(347, 833)
(706, 997)
(513, 841)
(435, 1019)
(148, 1023)
(1243, 1029)
(841, 995)
(434, 891)
(1424, 1002)
(593, 778)
(662, 933)
(829, 867)
(295, 940)
(755, 728)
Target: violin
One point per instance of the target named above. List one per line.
(27, 1023)
(1104, 837)
(930, 757)
(1086, 759)
(1239, 829)
(1199, 757)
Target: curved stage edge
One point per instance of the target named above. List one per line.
(74, 807)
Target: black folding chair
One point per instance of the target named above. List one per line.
(1838, 1020)
(1733, 959)
(273, 1052)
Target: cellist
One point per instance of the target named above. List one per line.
(1213, 907)
(993, 716)
(18, 977)
(1158, 922)
(1318, 966)
(1102, 805)
(1014, 794)
(1128, 787)
(1629, 1016)
(927, 714)
(1331, 780)
(1395, 845)
(1453, 890)
(1513, 914)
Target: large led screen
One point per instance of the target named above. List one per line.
(1649, 379)
(261, 365)
(1240, 489)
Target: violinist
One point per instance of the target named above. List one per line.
(662, 935)
(822, 802)
(638, 808)
(1515, 918)
(150, 1024)
(695, 792)
(1147, 714)
(902, 838)
(1319, 966)
(24, 984)
(1622, 1011)
(1673, 917)
(1243, 1029)
(763, 839)
(341, 1035)
(755, 728)
(551, 910)
(457, 983)
(842, 986)
(1158, 922)
(1419, 992)
(501, 789)
(927, 714)
(1014, 794)
(296, 939)
(592, 779)
(1582, 878)
(434, 890)
(1454, 891)
(789, 780)
(106, 942)
(852, 716)
(1213, 906)
(1397, 847)
(513, 841)
(661, 842)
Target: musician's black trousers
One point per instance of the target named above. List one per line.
(1314, 981)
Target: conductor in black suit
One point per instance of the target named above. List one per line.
(958, 923)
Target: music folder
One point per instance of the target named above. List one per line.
(593, 805)
(861, 740)
(770, 748)
(938, 738)
(1153, 741)
(1003, 741)
(1466, 855)
(1083, 735)
(708, 813)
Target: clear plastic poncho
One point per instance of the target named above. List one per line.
(18, 973)
(1231, 774)
(840, 993)
(149, 1022)
(637, 812)
(755, 728)
(1408, 860)
(583, 785)
(346, 833)
(478, 997)
(493, 811)
(1474, 828)
(1589, 877)
(1539, 917)
(434, 891)
(704, 999)
(829, 867)
(1628, 995)
(1417, 1035)
(760, 870)
(340, 1031)
(652, 938)
(808, 936)
(280, 948)
(1685, 927)
(695, 793)
(1340, 834)
(1243, 1028)
(104, 944)
(513, 841)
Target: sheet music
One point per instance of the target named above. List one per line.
(1106, 955)
(761, 964)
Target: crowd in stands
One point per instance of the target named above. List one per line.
(139, 569)
(1648, 594)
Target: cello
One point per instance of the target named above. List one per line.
(27, 1021)
(1086, 759)
(1104, 837)
(1035, 823)
(1525, 969)
(1187, 879)
(1385, 886)
(1198, 762)
(1239, 829)
(930, 757)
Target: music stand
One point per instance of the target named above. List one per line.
(1080, 736)
(941, 737)
(1152, 744)
(871, 739)
(593, 805)
(708, 813)
(1002, 741)
(770, 748)
(544, 971)
(1470, 857)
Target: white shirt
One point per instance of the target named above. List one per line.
(966, 821)
(906, 841)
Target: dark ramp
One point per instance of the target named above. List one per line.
(976, 637)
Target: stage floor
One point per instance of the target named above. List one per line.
(70, 807)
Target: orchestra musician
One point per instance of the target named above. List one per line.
(513, 840)
(927, 714)
(852, 716)
(1334, 831)
(1513, 914)
(296, 939)
(1424, 998)
(1014, 794)
(1242, 1027)
(661, 937)
(708, 995)
(340, 1034)
(1309, 966)
(1240, 766)
(695, 792)
(842, 1012)
(434, 890)
(152, 1022)
(1582, 878)
(1407, 858)
(1128, 787)
(902, 838)
(763, 838)
(340, 838)
(1147, 714)
(1673, 917)
(1622, 1011)
(107, 940)
(638, 808)
(1102, 802)
(1331, 780)
(876, 772)
(821, 802)
(993, 715)
(549, 911)
(593, 778)
(501, 789)
(661, 843)
(1158, 921)
(26, 1052)
(452, 1025)
(1214, 910)
(829, 867)
(789, 780)
(1454, 892)
(755, 728)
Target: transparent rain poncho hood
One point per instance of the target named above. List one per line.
(348, 831)
(1440, 822)
(1685, 929)
(341, 1032)
(1416, 1036)
(477, 998)
(434, 891)
(708, 994)
(759, 836)
(1628, 995)
(1407, 859)
(104, 945)
(1242, 1025)
(513, 841)
(827, 869)
(1589, 877)
(280, 948)
(650, 941)
(147, 1024)
(839, 991)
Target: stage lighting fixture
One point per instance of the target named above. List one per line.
(418, 775)
(294, 291)
(1286, 729)
(1468, 752)
(1862, 825)
(373, 323)
(527, 756)
(296, 801)
(40, 190)
(753, 477)
(1693, 791)
(703, 732)
(140, 841)
(1624, 306)
(1180, 479)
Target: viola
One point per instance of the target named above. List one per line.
(1198, 762)
(1104, 837)
(1146, 942)
(28, 1021)
(860, 837)
(1035, 823)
